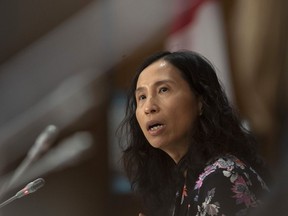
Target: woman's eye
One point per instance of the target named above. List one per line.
(141, 97)
(163, 89)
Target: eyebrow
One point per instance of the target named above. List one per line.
(160, 82)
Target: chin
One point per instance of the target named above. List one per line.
(157, 145)
(154, 144)
(157, 142)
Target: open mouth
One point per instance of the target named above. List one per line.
(154, 127)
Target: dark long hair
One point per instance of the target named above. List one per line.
(218, 131)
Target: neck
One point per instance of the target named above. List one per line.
(176, 155)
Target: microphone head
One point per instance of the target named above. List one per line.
(43, 141)
(30, 188)
(36, 184)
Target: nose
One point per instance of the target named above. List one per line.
(151, 106)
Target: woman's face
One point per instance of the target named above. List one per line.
(166, 108)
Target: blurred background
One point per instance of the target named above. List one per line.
(68, 63)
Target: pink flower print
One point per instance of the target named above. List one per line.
(198, 183)
(242, 193)
(208, 171)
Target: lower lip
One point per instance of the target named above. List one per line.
(157, 132)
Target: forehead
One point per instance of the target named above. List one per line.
(158, 71)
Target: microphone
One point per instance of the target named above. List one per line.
(28, 189)
(68, 152)
(31, 187)
(42, 143)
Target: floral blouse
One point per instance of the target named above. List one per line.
(226, 187)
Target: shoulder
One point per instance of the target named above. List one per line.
(229, 169)
(228, 185)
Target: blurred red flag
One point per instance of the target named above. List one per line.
(199, 26)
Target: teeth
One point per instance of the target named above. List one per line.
(156, 127)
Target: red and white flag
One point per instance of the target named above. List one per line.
(198, 26)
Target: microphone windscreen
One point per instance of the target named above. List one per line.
(38, 183)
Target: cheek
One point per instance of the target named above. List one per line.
(185, 122)
(139, 118)
(187, 115)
